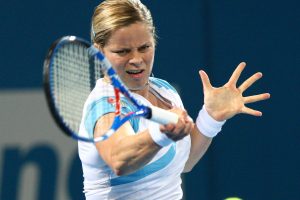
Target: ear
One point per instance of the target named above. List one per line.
(98, 47)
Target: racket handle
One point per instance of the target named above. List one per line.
(162, 116)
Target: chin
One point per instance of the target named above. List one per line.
(137, 86)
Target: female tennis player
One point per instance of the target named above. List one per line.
(145, 160)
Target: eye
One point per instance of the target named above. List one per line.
(144, 48)
(122, 52)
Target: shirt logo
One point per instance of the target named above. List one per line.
(111, 100)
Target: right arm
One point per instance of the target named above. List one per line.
(125, 151)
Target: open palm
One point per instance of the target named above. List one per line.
(224, 102)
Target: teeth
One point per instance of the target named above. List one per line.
(134, 71)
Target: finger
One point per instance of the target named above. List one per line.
(250, 111)
(246, 84)
(236, 74)
(178, 135)
(167, 128)
(174, 134)
(184, 114)
(189, 119)
(188, 128)
(175, 137)
(205, 80)
(255, 98)
(179, 126)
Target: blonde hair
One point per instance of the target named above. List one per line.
(111, 15)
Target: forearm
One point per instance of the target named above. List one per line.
(199, 145)
(125, 151)
(132, 153)
(206, 128)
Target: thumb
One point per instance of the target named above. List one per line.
(167, 128)
(205, 80)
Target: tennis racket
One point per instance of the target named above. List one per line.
(71, 68)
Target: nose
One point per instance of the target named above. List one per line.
(136, 58)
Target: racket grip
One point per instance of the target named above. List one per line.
(162, 116)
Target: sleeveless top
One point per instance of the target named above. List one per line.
(159, 179)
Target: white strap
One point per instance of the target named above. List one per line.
(157, 136)
(207, 125)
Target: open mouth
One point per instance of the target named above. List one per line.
(135, 73)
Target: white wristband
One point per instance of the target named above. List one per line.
(158, 137)
(207, 125)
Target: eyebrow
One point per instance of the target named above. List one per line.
(128, 48)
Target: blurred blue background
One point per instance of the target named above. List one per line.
(252, 158)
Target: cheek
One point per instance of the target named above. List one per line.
(149, 59)
(117, 63)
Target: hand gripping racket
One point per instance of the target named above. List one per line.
(71, 69)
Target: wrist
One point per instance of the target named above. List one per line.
(158, 137)
(207, 125)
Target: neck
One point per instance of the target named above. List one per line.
(139, 88)
(142, 90)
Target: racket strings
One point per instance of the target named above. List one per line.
(98, 72)
(71, 82)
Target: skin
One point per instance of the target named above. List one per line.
(131, 51)
(222, 104)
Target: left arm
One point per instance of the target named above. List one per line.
(199, 145)
(221, 104)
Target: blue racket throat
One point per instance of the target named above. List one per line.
(119, 120)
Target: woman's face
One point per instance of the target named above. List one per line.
(131, 52)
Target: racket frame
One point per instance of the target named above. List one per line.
(47, 86)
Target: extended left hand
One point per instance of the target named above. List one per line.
(225, 102)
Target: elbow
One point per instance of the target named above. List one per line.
(118, 172)
(188, 168)
(122, 168)
(119, 168)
